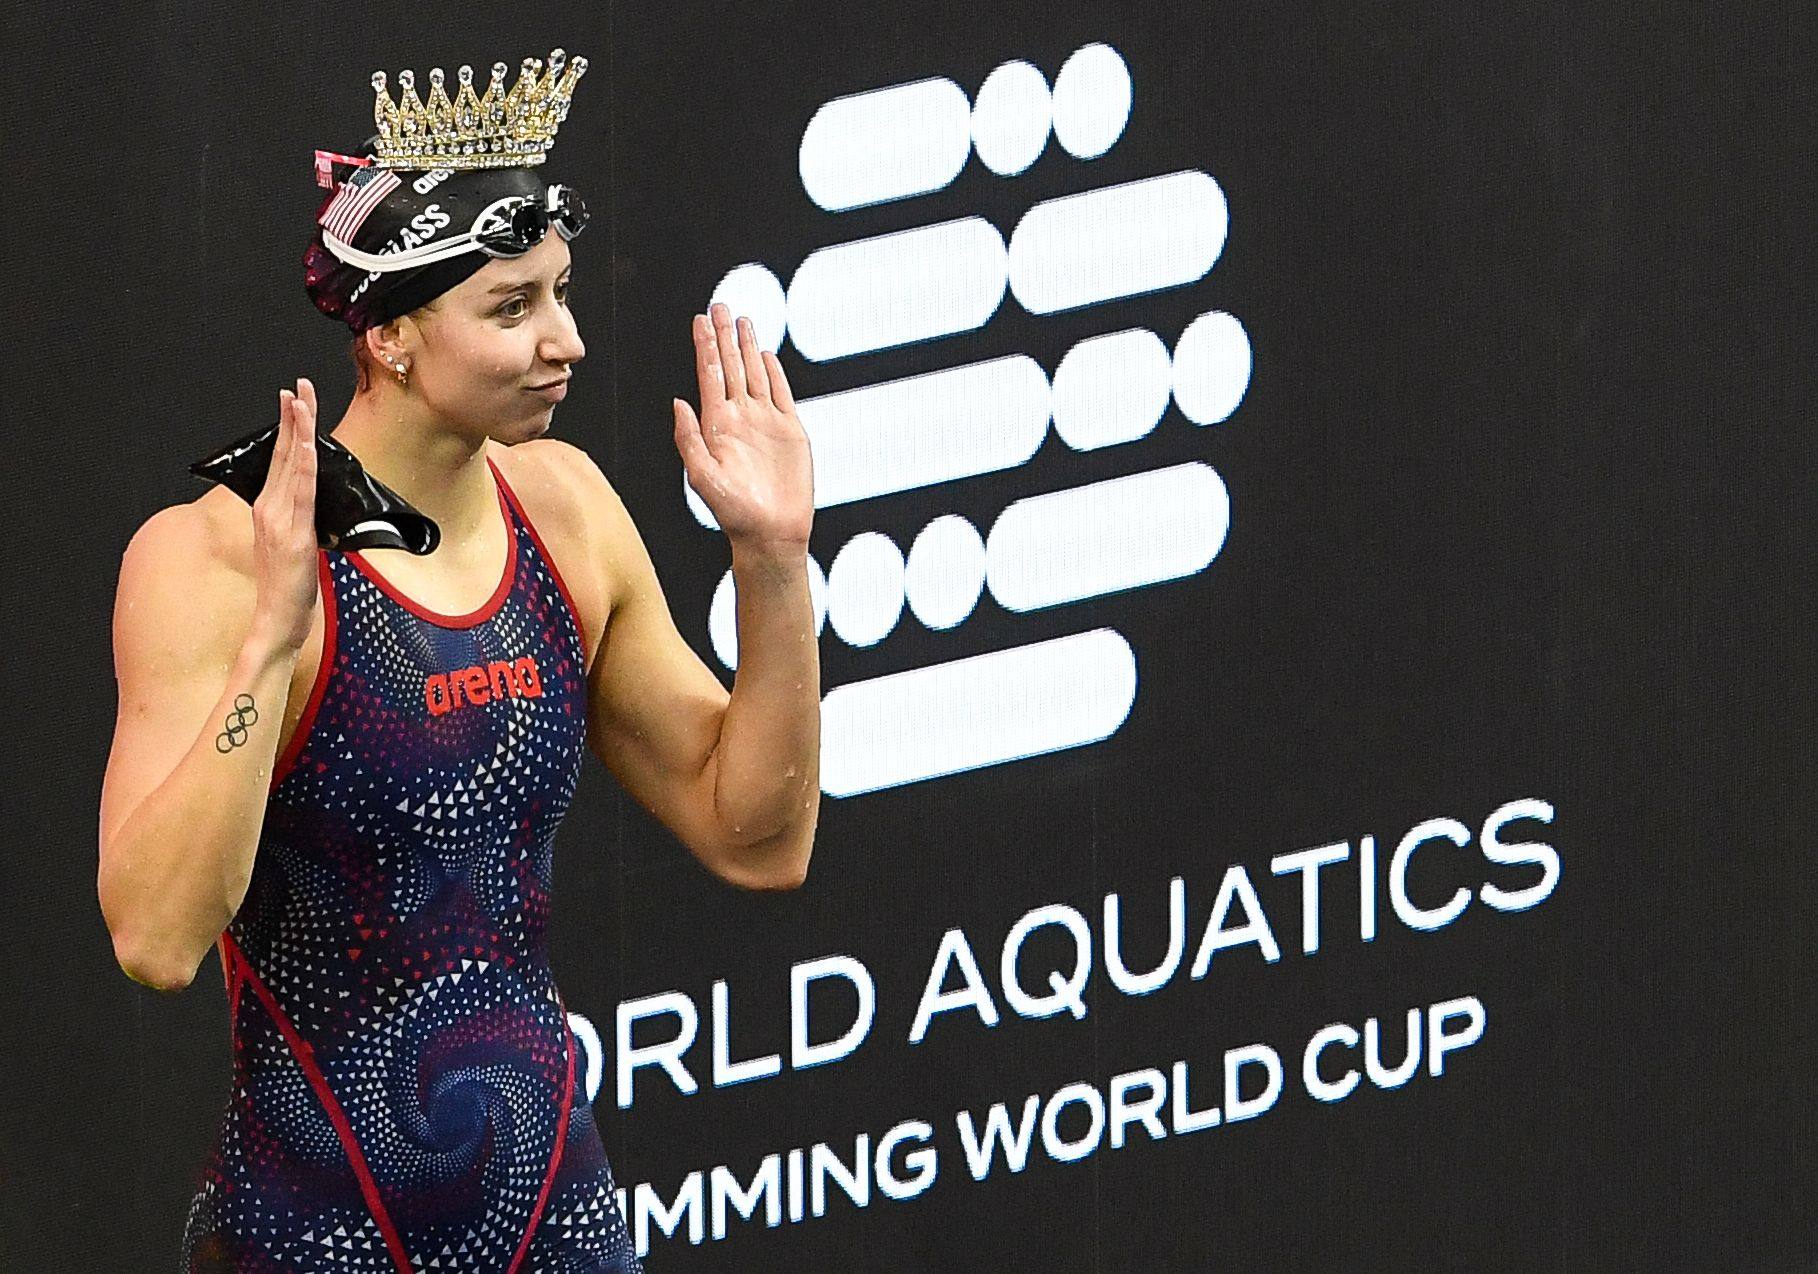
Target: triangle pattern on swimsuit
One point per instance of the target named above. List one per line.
(405, 1093)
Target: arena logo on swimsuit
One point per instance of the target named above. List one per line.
(499, 679)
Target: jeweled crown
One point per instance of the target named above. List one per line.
(499, 130)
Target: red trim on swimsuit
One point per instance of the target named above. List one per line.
(292, 752)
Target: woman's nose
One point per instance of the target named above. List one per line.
(565, 344)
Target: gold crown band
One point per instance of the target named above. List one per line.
(499, 130)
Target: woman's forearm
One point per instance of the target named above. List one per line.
(179, 865)
(768, 774)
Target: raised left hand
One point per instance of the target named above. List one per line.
(747, 454)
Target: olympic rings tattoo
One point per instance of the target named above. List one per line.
(245, 714)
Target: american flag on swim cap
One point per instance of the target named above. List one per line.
(357, 197)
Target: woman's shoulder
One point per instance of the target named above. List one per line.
(547, 476)
(215, 527)
(538, 461)
(195, 560)
(198, 554)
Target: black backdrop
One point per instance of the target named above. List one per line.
(1515, 489)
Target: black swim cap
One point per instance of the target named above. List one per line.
(385, 210)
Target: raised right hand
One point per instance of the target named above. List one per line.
(284, 524)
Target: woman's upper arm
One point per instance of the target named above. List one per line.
(654, 710)
(181, 614)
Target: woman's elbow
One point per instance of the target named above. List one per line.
(159, 972)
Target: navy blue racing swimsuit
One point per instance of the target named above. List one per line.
(407, 1093)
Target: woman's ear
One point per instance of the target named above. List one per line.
(386, 348)
(385, 342)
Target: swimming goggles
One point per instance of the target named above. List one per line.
(507, 227)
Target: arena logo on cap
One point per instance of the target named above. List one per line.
(431, 179)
